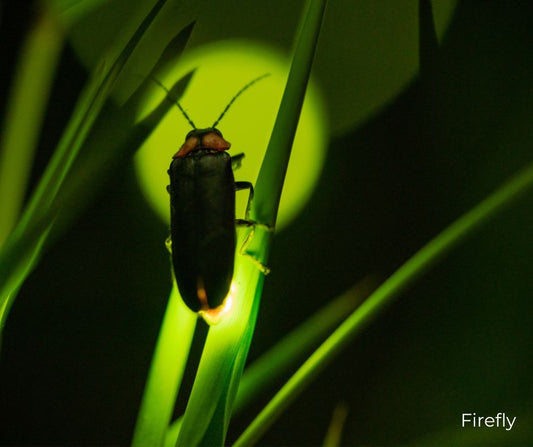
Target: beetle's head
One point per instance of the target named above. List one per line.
(210, 138)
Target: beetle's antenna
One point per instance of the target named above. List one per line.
(174, 101)
(237, 95)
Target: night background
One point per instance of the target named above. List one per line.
(78, 340)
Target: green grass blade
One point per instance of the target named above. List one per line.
(23, 270)
(166, 372)
(171, 437)
(216, 432)
(207, 413)
(272, 173)
(415, 267)
(209, 408)
(25, 113)
(334, 435)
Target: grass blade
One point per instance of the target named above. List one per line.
(397, 283)
(166, 372)
(28, 99)
(207, 413)
(272, 174)
(334, 435)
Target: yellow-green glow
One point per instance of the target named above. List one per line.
(222, 69)
(166, 372)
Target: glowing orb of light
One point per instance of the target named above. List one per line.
(220, 70)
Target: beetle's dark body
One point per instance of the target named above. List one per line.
(202, 213)
(202, 225)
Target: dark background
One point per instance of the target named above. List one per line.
(79, 338)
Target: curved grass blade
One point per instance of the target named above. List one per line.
(209, 408)
(397, 283)
(336, 426)
(28, 98)
(166, 372)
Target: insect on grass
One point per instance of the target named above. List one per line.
(202, 214)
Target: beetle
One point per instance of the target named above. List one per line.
(202, 214)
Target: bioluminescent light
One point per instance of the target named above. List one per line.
(215, 316)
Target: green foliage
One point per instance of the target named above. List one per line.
(57, 190)
(166, 372)
(394, 286)
(100, 136)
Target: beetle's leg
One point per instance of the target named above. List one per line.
(242, 251)
(246, 185)
(236, 161)
(246, 222)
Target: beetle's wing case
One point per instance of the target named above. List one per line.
(202, 226)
